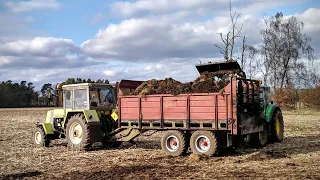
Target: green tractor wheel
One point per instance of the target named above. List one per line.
(77, 133)
(277, 127)
(39, 138)
(259, 139)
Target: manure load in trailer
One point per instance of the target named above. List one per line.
(213, 77)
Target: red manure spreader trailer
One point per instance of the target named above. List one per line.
(203, 121)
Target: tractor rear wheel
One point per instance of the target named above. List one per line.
(77, 133)
(277, 127)
(39, 137)
(174, 143)
(203, 142)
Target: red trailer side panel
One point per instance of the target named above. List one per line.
(216, 108)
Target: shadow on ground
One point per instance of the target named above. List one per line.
(22, 175)
(291, 145)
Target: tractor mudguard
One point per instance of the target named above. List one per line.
(48, 129)
(270, 111)
(89, 115)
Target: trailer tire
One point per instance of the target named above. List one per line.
(203, 142)
(277, 127)
(77, 133)
(40, 138)
(174, 143)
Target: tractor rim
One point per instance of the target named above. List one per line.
(277, 126)
(202, 144)
(172, 143)
(75, 133)
(37, 138)
(263, 136)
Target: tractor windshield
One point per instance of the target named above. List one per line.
(101, 97)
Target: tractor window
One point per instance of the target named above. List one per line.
(101, 97)
(68, 99)
(80, 98)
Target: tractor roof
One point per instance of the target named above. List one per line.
(86, 85)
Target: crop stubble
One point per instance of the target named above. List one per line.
(298, 157)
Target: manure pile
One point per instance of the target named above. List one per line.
(207, 82)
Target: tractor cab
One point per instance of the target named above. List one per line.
(88, 96)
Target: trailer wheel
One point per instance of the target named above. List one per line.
(77, 133)
(203, 142)
(39, 137)
(174, 143)
(277, 127)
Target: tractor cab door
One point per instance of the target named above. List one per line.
(81, 99)
(68, 99)
(264, 99)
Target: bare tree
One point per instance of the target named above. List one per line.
(285, 45)
(251, 54)
(243, 51)
(229, 39)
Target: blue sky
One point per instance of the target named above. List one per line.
(51, 40)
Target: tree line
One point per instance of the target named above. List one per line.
(23, 94)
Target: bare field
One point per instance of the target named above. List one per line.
(298, 157)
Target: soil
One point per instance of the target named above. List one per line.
(297, 157)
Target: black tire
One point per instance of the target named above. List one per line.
(174, 143)
(75, 125)
(259, 139)
(39, 137)
(277, 127)
(208, 142)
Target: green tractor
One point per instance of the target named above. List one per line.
(86, 117)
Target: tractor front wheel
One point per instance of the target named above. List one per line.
(39, 137)
(259, 139)
(77, 133)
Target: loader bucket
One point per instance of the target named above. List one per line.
(224, 67)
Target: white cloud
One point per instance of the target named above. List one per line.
(158, 6)
(109, 73)
(147, 7)
(312, 27)
(4, 60)
(38, 46)
(22, 6)
(148, 39)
